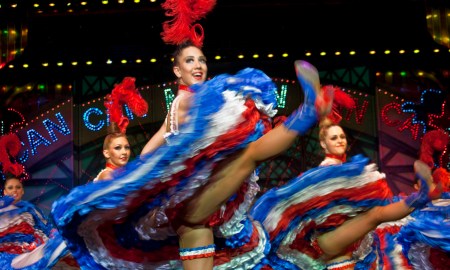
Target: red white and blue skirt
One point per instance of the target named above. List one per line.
(125, 223)
(423, 238)
(27, 239)
(323, 198)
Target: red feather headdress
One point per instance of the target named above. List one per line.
(340, 100)
(442, 176)
(9, 149)
(181, 27)
(435, 141)
(125, 93)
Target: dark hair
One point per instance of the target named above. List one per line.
(10, 177)
(179, 49)
(113, 133)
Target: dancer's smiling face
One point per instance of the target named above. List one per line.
(190, 66)
(14, 188)
(334, 141)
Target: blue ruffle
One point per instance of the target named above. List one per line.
(311, 177)
(41, 225)
(430, 226)
(278, 196)
(147, 171)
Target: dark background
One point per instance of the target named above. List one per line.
(66, 33)
(129, 31)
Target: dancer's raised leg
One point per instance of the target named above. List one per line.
(335, 242)
(232, 172)
(230, 175)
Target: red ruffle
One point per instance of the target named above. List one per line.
(439, 259)
(374, 190)
(218, 218)
(19, 248)
(225, 255)
(386, 233)
(22, 227)
(109, 238)
(69, 260)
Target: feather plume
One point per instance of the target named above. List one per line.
(432, 141)
(442, 176)
(9, 149)
(341, 100)
(185, 13)
(125, 93)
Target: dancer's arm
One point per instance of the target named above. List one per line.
(155, 141)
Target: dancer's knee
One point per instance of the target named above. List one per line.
(326, 249)
(332, 252)
(192, 237)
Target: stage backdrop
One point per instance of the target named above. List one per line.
(63, 145)
(402, 123)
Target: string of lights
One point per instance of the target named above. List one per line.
(255, 56)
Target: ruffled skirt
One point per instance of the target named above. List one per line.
(126, 223)
(323, 198)
(27, 240)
